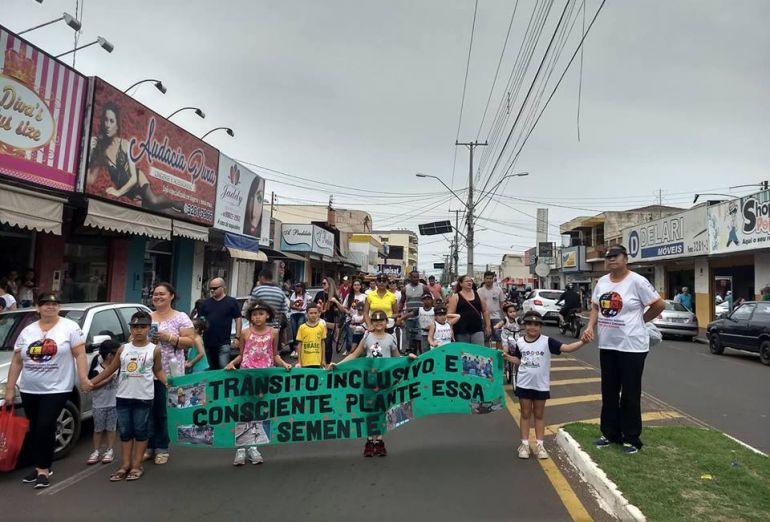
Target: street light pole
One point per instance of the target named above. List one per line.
(470, 205)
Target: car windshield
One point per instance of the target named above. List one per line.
(675, 307)
(550, 295)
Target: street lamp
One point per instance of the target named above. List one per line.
(198, 111)
(470, 206)
(70, 20)
(103, 43)
(228, 130)
(158, 85)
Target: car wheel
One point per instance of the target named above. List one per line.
(67, 430)
(764, 353)
(715, 344)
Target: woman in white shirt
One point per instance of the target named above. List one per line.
(46, 356)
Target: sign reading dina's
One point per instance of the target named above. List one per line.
(365, 397)
(240, 196)
(678, 235)
(41, 110)
(740, 224)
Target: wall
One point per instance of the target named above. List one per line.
(134, 269)
(197, 272)
(118, 265)
(49, 257)
(513, 266)
(399, 238)
(761, 273)
(184, 253)
(355, 221)
(704, 299)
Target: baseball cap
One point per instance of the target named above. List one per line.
(379, 315)
(616, 250)
(48, 297)
(532, 316)
(140, 321)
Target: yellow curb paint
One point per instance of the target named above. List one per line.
(560, 359)
(571, 502)
(648, 416)
(585, 380)
(569, 368)
(561, 401)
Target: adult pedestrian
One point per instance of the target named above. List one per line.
(344, 289)
(269, 293)
(435, 289)
(46, 357)
(328, 301)
(220, 311)
(411, 302)
(766, 293)
(299, 300)
(493, 297)
(6, 295)
(27, 290)
(474, 321)
(618, 308)
(684, 298)
(356, 294)
(175, 335)
(383, 300)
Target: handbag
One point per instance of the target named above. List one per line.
(13, 429)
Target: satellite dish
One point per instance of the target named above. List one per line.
(542, 270)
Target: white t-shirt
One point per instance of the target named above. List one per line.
(48, 364)
(136, 375)
(442, 334)
(621, 312)
(535, 368)
(104, 397)
(9, 301)
(426, 318)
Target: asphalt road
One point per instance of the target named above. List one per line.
(728, 392)
(442, 468)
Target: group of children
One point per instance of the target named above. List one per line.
(124, 400)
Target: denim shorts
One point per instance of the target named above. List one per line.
(495, 335)
(105, 419)
(133, 418)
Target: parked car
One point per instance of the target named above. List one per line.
(99, 321)
(675, 319)
(746, 328)
(544, 301)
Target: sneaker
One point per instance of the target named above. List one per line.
(369, 449)
(523, 451)
(254, 455)
(108, 456)
(240, 457)
(32, 476)
(602, 442)
(294, 355)
(379, 449)
(540, 451)
(629, 449)
(93, 458)
(42, 481)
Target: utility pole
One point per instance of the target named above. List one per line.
(272, 205)
(469, 218)
(455, 247)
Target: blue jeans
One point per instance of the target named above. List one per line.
(218, 356)
(297, 320)
(133, 418)
(158, 440)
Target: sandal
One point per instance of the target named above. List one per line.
(135, 474)
(161, 458)
(119, 475)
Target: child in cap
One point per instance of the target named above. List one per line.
(103, 403)
(311, 340)
(532, 353)
(375, 343)
(440, 332)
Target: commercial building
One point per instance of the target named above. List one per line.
(515, 271)
(401, 251)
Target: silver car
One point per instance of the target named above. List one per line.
(99, 321)
(677, 320)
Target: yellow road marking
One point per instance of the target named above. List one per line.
(647, 416)
(571, 502)
(574, 399)
(569, 368)
(584, 380)
(559, 359)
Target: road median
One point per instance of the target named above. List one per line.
(682, 473)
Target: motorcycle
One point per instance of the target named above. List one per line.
(572, 324)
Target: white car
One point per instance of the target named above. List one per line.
(544, 301)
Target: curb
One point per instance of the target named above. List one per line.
(606, 489)
(701, 340)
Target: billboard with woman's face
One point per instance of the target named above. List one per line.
(240, 195)
(41, 110)
(141, 159)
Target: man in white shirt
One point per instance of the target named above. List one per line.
(618, 309)
(494, 297)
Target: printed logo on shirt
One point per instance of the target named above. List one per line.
(42, 350)
(610, 304)
(376, 350)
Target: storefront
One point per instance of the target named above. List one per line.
(317, 244)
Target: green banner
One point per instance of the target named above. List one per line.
(363, 397)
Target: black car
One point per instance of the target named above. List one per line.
(746, 328)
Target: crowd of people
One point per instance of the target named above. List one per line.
(129, 382)
(17, 290)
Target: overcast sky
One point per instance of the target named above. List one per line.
(364, 94)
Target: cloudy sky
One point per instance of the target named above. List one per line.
(364, 94)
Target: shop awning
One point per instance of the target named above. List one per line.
(244, 247)
(188, 230)
(237, 253)
(278, 254)
(33, 210)
(121, 219)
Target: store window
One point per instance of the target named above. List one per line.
(85, 270)
(157, 267)
(16, 247)
(216, 263)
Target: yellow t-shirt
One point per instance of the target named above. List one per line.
(313, 339)
(381, 304)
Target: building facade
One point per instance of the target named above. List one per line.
(401, 251)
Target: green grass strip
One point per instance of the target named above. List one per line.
(685, 473)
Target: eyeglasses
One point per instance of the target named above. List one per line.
(214, 288)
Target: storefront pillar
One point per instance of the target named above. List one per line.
(184, 254)
(197, 271)
(134, 269)
(660, 281)
(116, 285)
(761, 273)
(704, 298)
(49, 262)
